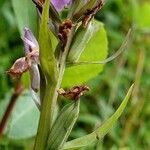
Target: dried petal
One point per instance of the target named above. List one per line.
(29, 62)
(35, 77)
(32, 54)
(33, 57)
(20, 66)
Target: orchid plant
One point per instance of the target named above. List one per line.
(71, 23)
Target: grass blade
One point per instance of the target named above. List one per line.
(100, 132)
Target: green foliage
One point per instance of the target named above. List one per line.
(63, 125)
(101, 131)
(23, 10)
(142, 10)
(132, 131)
(24, 119)
(95, 50)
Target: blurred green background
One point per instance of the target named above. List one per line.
(132, 131)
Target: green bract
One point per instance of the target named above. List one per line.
(63, 126)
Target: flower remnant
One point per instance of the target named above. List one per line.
(29, 62)
(74, 93)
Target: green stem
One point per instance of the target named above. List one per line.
(49, 102)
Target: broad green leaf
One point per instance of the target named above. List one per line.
(26, 15)
(101, 131)
(141, 15)
(63, 126)
(24, 120)
(96, 50)
(47, 58)
(80, 40)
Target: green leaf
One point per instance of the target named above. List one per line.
(4, 103)
(63, 126)
(26, 15)
(141, 15)
(47, 58)
(24, 120)
(96, 50)
(80, 40)
(101, 131)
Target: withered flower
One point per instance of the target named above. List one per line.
(19, 67)
(74, 93)
(29, 62)
(91, 13)
(64, 30)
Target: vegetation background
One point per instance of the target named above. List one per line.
(132, 131)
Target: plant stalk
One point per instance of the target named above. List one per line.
(49, 101)
(9, 109)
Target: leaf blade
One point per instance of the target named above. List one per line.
(21, 126)
(26, 15)
(103, 129)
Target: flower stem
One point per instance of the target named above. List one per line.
(49, 102)
(14, 97)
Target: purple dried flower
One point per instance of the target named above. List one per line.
(29, 62)
(32, 53)
(20, 66)
(60, 4)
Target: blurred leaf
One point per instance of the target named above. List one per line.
(100, 132)
(24, 120)
(141, 15)
(96, 49)
(8, 14)
(89, 119)
(4, 103)
(26, 15)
